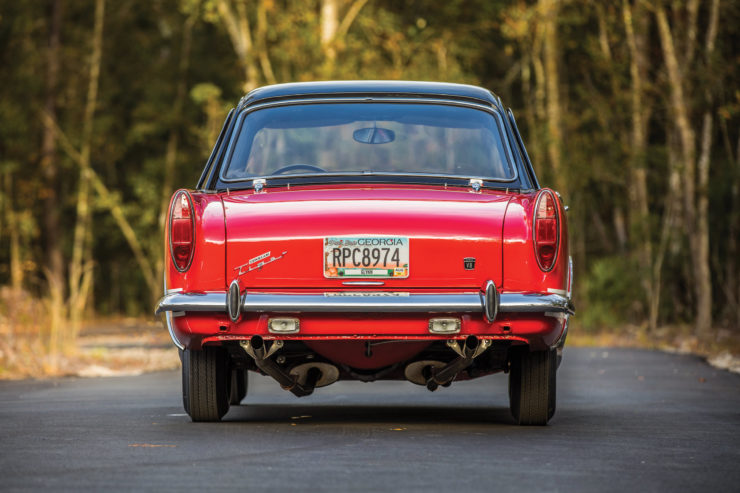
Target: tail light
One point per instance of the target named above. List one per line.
(182, 231)
(546, 230)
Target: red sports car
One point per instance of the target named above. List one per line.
(367, 231)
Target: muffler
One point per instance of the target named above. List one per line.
(471, 349)
(300, 385)
(328, 373)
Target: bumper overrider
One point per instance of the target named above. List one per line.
(488, 303)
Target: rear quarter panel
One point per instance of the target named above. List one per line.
(206, 272)
(521, 273)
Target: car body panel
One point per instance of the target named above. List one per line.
(444, 227)
(206, 272)
(523, 273)
(266, 240)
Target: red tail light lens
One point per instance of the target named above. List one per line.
(182, 231)
(546, 230)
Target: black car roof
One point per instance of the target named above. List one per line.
(370, 88)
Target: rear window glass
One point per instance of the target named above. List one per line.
(369, 138)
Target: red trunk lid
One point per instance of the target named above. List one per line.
(285, 229)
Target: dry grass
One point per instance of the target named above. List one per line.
(721, 347)
(106, 347)
(23, 348)
(125, 346)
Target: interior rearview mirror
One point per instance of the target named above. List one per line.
(374, 135)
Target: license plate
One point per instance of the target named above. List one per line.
(366, 256)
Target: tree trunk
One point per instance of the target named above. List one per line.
(261, 43)
(54, 268)
(704, 275)
(549, 10)
(679, 108)
(49, 161)
(110, 201)
(639, 214)
(332, 31)
(239, 31)
(672, 208)
(11, 219)
(80, 270)
(170, 159)
(329, 24)
(733, 241)
(731, 287)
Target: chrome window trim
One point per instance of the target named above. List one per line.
(207, 173)
(431, 101)
(520, 142)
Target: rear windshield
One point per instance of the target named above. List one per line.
(348, 138)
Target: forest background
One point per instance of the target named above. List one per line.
(630, 108)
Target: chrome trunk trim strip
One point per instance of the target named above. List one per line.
(319, 303)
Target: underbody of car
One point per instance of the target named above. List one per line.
(367, 231)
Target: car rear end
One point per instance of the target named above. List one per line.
(313, 280)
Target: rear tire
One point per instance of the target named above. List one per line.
(238, 387)
(205, 379)
(532, 386)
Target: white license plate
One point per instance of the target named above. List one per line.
(366, 256)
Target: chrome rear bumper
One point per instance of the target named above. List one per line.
(366, 302)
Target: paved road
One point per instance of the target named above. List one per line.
(627, 421)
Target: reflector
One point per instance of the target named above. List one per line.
(444, 325)
(283, 325)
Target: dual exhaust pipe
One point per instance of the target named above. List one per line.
(302, 380)
(471, 348)
(262, 356)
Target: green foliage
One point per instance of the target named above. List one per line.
(496, 44)
(609, 290)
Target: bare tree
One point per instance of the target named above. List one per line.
(549, 10)
(80, 269)
(235, 20)
(636, 28)
(170, 159)
(333, 32)
(110, 201)
(695, 201)
(54, 268)
(704, 320)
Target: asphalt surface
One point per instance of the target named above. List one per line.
(627, 420)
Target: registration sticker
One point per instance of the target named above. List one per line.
(366, 256)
